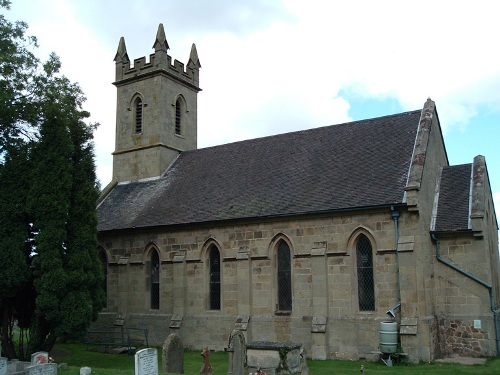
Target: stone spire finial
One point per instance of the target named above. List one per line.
(121, 54)
(161, 43)
(194, 61)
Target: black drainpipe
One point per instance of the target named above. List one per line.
(487, 286)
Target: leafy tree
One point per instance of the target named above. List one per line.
(51, 286)
(18, 67)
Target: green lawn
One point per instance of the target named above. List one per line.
(77, 355)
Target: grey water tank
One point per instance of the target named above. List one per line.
(388, 337)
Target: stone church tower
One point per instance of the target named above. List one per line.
(156, 112)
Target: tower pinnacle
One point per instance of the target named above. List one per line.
(121, 54)
(194, 61)
(161, 43)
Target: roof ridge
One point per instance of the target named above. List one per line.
(350, 123)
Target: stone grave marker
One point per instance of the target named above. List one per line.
(237, 353)
(173, 355)
(85, 370)
(146, 362)
(3, 366)
(206, 369)
(15, 367)
(39, 357)
(42, 369)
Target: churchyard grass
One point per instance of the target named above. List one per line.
(77, 355)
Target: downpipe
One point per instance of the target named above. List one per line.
(479, 281)
(395, 216)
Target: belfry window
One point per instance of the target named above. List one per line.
(138, 115)
(214, 267)
(284, 277)
(155, 280)
(364, 259)
(178, 116)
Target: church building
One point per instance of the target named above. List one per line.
(311, 237)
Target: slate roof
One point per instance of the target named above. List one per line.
(352, 165)
(453, 208)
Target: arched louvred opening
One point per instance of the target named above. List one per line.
(178, 116)
(138, 115)
(284, 277)
(364, 261)
(214, 267)
(155, 280)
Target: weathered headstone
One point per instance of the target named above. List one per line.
(85, 370)
(17, 367)
(42, 369)
(206, 369)
(3, 366)
(237, 353)
(39, 358)
(173, 355)
(146, 362)
(274, 357)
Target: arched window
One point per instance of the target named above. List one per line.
(364, 261)
(104, 264)
(214, 267)
(138, 115)
(155, 280)
(284, 277)
(178, 116)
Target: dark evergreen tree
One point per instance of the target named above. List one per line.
(15, 274)
(62, 201)
(85, 296)
(49, 204)
(51, 276)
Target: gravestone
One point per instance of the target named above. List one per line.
(42, 369)
(173, 355)
(206, 369)
(85, 370)
(3, 366)
(275, 358)
(146, 362)
(15, 367)
(39, 357)
(237, 353)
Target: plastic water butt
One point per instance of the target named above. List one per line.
(388, 337)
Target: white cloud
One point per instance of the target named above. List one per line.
(271, 67)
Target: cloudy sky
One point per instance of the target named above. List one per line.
(273, 66)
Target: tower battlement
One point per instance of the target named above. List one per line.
(159, 62)
(156, 110)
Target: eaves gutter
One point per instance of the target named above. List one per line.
(255, 218)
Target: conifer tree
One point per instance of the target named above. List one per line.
(15, 249)
(51, 277)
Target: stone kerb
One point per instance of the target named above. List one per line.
(146, 362)
(173, 355)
